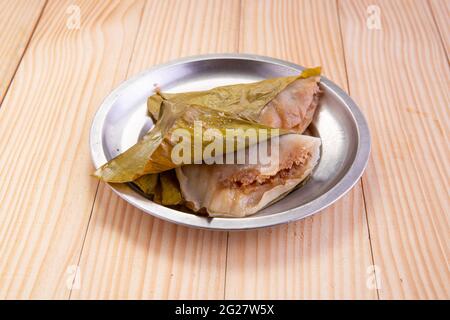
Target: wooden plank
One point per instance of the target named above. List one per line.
(399, 75)
(129, 254)
(441, 13)
(326, 255)
(46, 193)
(17, 23)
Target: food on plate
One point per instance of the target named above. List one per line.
(183, 159)
(287, 102)
(239, 190)
(153, 153)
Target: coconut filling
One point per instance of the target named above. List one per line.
(248, 180)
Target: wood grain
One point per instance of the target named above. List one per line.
(56, 222)
(327, 255)
(46, 194)
(400, 75)
(441, 14)
(17, 23)
(129, 254)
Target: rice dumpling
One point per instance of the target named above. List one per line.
(237, 190)
(203, 181)
(286, 102)
(153, 153)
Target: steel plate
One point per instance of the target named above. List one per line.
(122, 119)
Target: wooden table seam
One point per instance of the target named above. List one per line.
(98, 183)
(439, 31)
(30, 38)
(341, 36)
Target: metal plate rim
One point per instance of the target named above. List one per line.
(227, 224)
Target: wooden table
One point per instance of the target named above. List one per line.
(65, 235)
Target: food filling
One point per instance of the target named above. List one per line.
(248, 179)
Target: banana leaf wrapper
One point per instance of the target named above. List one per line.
(152, 154)
(246, 100)
(147, 183)
(162, 188)
(170, 188)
